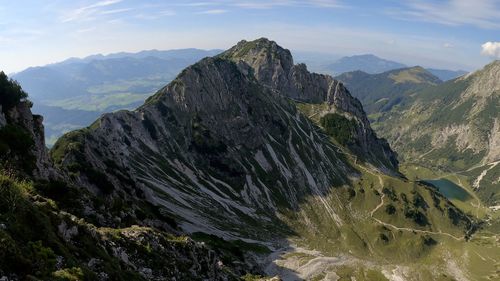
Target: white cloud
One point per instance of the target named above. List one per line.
(448, 45)
(491, 49)
(479, 13)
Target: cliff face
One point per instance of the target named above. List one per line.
(272, 66)
(32, 130)
(51, 229)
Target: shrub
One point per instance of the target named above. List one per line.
(16, 144)
(417, 216)
(69, 274)
(12, 196)
(390, 209)
(44, 259)
(11, 93)
(339, 127)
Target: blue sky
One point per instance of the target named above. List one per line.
(445, 34)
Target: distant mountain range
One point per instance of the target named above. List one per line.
(368, 63)
(121, 73)
(380, 92)
(372, 64)
(103, 83)
(446, 75)
(100, 83)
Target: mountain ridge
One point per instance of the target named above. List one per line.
(98, 84)
(373, 64)
(380, 92)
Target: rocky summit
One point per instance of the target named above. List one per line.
(223, 145)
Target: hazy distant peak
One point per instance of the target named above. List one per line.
(367, 62)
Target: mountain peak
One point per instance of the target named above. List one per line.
(261, 51)
(367, 62)
(492, 69)
(484, 82)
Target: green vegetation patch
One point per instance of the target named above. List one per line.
(11, 93)
(230, 250)
(16, 143)
(340, 128)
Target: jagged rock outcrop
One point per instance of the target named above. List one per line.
(273, 67)
(23, 141)
(21, 115)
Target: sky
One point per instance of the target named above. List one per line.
(452, 34)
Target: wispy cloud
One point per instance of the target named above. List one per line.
(259, 4)
(116, 11)
(83, 30)
(198, 4)
(155, 15)
(213, 12)
(479, 13)
(88, 12)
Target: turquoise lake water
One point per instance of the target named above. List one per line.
(450, 189)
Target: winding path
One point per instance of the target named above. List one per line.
(381, 182)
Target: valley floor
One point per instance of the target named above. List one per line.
(453, 258)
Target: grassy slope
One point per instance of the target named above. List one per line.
(378, 238)
(380, 92)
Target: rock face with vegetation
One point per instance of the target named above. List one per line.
(52, 230)
(453, 127)
(222, 147)
(273, 67)
(22, 142)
